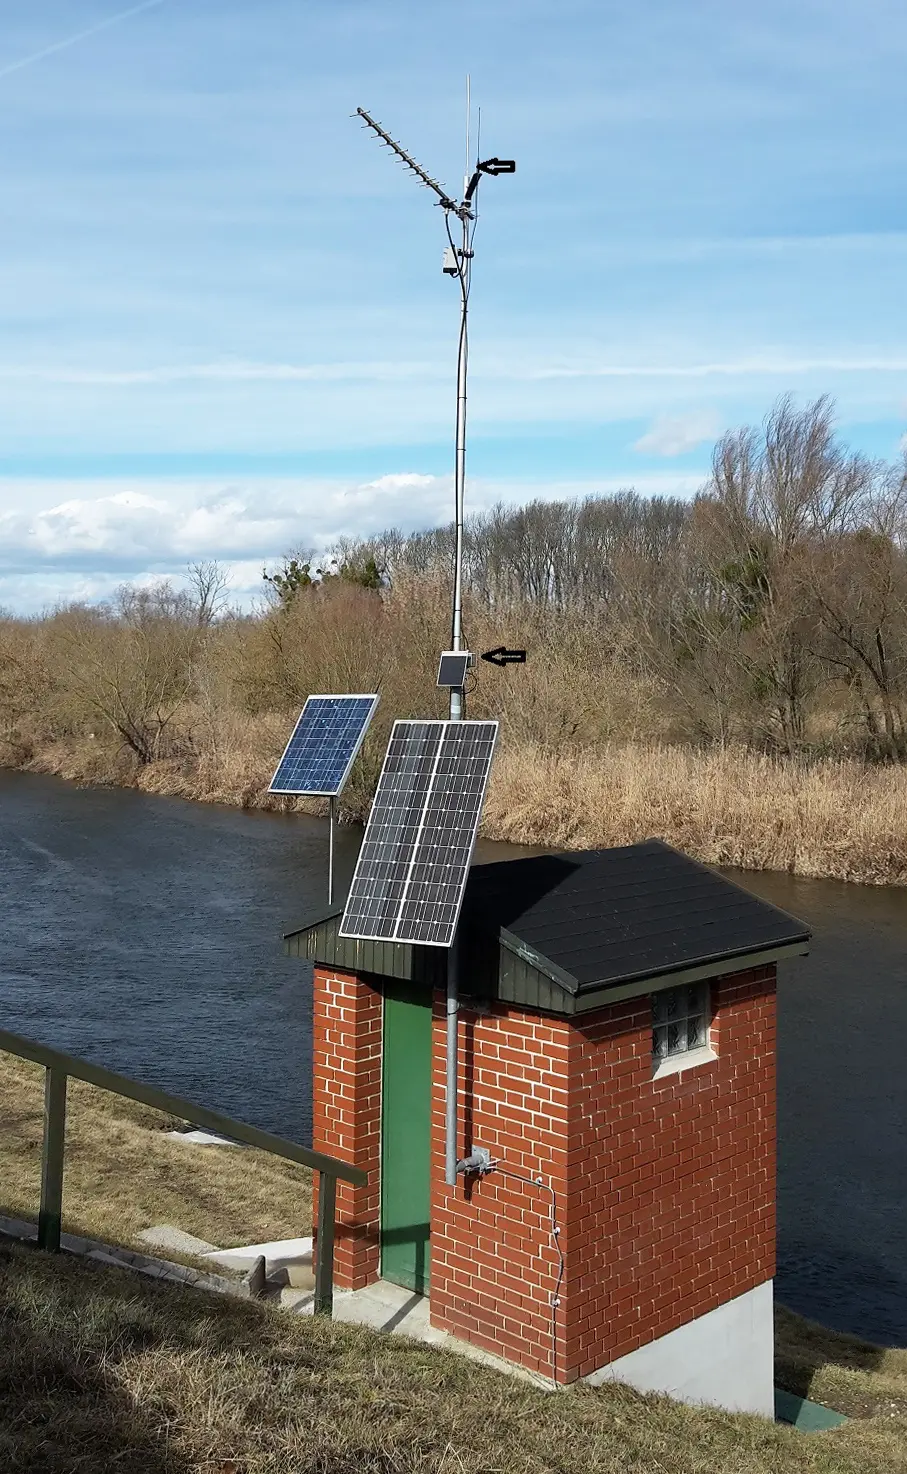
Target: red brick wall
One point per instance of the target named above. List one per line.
(346, 1112)
(665, 1188)
(493, 1263)
(671, 1206)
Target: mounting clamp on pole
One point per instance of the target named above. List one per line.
(478, 1162)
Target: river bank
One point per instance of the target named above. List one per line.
(144, 933)
(829, 819)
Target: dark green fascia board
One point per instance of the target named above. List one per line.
(597, 997)
(542, 964)
(583, 999)
(593, 995)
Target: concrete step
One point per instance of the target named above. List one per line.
(288, 1262)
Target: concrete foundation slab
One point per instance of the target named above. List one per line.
(722, 1359)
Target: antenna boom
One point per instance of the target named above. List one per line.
(410, 162)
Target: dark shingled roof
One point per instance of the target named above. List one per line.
(604, 917)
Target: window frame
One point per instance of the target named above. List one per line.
(700, 1054)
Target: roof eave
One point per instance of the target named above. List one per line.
(539, 961)
(596, 995)
(317, 918)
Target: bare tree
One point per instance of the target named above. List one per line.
(131, 665)
(208, 581)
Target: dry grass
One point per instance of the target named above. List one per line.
(837, 819)
(101, 1371)
(833, 819)
(123, 1174)
(841, 1372)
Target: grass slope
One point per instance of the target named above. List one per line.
(123, 1174)
(100, 1371)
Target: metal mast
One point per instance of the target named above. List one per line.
(457, 262)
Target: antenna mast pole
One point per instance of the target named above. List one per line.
(457, 693)
(458, 263)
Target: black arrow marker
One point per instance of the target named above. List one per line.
(503, 656)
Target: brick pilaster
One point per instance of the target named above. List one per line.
(346, 1112)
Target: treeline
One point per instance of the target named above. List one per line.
(770, 612)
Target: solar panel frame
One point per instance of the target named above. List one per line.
(411, 874)
(309, 709)
(462, 659)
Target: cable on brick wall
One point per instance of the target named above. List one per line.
(543, 1186)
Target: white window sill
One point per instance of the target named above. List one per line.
(676, 1064)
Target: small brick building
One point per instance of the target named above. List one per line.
(617, 1066)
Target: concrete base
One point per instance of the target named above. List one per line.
(724, 1359)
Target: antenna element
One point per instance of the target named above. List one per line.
(407, 159)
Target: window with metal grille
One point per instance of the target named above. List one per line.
(680, 1021)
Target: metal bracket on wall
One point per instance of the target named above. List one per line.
(479, 1161)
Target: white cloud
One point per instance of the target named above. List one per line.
(228, 371)
(772, 366)
(515, 366)
(66, 540)
(675, 435)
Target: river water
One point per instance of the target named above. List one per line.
(145, 934)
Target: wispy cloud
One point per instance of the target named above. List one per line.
(516, 369)
(779, 368)
(228, 372)
(76, 37)
(676, 435)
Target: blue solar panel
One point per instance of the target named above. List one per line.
(411, 873)
(325, 740)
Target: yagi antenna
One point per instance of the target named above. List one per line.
(457, 263)
(443, 197)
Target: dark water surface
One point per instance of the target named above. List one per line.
(144, 933)
(842, 1106)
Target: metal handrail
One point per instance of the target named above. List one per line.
(59, 1067)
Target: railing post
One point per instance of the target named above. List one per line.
(52, 1159)
(324, 1261)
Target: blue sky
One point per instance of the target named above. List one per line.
(225, 328)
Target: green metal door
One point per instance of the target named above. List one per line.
(405, 1136)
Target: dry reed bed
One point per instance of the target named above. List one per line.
(836, 819)
(826, 819)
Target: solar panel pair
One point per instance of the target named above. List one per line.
(412, 869)
(321, 751)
